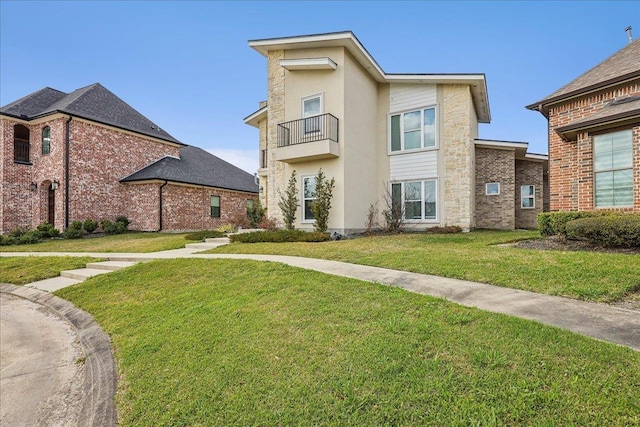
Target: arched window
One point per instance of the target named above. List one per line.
(20, 144)
(46, 140)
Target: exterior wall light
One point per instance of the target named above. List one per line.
(33, 186)
(54, 185)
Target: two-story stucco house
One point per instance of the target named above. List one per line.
(89, 155)
(594, 136)
(412, 137)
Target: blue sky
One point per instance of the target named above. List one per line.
(187, 65)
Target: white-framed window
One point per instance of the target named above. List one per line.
(308, 196)
(418, 198)
(215, 206)
(311, 111)
(413, 130)
(613, 169)
(492, 188)
(528, 196)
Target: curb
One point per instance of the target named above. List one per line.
(98, 406)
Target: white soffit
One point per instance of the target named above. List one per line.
(308, 64)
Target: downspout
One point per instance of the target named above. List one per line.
(160, 204)
(66, 172)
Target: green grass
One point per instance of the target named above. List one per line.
(590, 276)
(129, 242)
(23, 270)
(231, 342)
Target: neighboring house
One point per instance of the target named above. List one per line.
(411, 137)
(88, 154)
(594, 136)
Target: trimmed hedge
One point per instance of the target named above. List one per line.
(279, 236)
(552, 223)
(612, 230)
(204, 234)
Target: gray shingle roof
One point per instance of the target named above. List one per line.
(623, 64)
(93, 102)
(199, 167)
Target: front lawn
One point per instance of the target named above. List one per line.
(238, 342)
(475, 256)
(23, 270)
(128, 242)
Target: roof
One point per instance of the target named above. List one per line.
(618, 112)
(93, 102)
(198, 167)
(621, 66)
(519, 147)
(349, 41)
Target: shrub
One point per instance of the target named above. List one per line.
(268, 224)
(239, 220)
(73, 233)
(226, 228)
(204, 234)
(90, 225)
(279, 236)
(553, 223)
(255, 213)
(29, 237)
(8, 240)
(447, 229)
(321, 205)
(17, 233)
(372, 215)
(123, 220)
(76, 225)
(288, 203)
(611, 230)
(46, 230)
(113, 227)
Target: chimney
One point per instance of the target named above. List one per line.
(628, 30)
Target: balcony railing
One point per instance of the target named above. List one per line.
(309, 129)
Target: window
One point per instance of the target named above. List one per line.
(413, 130)
(613, 169)
(215, 206)
(46, 140)
(20, 144)
(308, 196)
(492, 188)
(418, 199)
(311, 110)
(528, 196)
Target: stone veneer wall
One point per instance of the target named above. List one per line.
(497, 211)
(571, 162)
(276, 178)
(263, 127)
(458, 149)
(528, 173)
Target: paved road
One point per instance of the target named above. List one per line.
(37, 347)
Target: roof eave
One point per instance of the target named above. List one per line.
(569, 132)
(254, 118)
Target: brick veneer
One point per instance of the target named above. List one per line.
(528, 173)
(99, 157)
(496, 211)
(571, 162)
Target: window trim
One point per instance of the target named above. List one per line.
(303, 219)
(486, 189)
(211, 206)
(402, 150)
(612, 170)
(523, 197)
(48, 138)
(422, 182)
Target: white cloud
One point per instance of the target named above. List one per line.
(246, 160)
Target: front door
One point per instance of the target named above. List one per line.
(51, 206)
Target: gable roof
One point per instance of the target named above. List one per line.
(619, 67)
(93, 102)
(349, 41)
(198, 167)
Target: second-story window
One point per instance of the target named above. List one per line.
(311, 110)
(413, 130)
(46, 140)
(20, 144)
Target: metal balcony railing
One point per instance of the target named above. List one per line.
(309, 129)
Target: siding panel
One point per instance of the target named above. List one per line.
(419, 165)
(408, 96)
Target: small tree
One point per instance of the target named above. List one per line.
(393, 212)
(322, 203)
(255, 213)
(288, 203)
(372, 218)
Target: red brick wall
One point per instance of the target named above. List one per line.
(571, 162)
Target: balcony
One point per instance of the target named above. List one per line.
(311, 138)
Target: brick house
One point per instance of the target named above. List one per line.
(411, 137)
(89, 155)
(594, 136)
